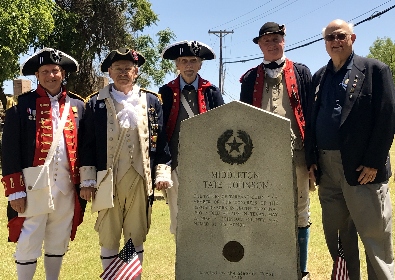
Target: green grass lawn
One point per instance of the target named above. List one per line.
(83, 262)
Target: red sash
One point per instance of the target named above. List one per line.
(175, 87)
(292, 89)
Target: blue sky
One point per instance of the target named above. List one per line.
(304, 20)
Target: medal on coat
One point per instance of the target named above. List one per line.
(31, 114)
(154, 126)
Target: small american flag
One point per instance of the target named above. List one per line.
(126, 266)
(341, 272)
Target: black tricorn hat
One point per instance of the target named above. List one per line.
(270, 28)
(121, 54)
(48, 56)
(188, 48)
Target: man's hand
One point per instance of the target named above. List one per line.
(367, 175)
(88, 193)
(19, 205)
(312, 169)
(162, 185)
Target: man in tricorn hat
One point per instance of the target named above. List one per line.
(122, 137)
(40, 133)
(184, 97)
(281, 86)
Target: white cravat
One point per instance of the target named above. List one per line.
(273, 73)
(128, 117)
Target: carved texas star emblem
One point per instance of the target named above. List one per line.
(234, 149)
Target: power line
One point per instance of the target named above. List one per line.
(317, 40)
(349, 21)
(310, 12)
(229, 95)
(243, 14)
(369, 11)
(259, 17)
(358, 23)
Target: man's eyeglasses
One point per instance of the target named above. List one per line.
(118, 70)
(333, 37)
(47, 72)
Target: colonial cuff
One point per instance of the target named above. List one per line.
(16, 195)
(13, 183)
(88, 183)
(163, 174)
(87, 173)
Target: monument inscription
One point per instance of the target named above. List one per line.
(236, 200)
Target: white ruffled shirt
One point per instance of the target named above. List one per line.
(129, 116)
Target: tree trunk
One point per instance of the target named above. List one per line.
(3, 98)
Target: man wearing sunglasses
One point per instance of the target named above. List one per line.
(348, 138)
(280, 86)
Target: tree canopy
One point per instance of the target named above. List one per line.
(89, 29)
(22, 22)
(85, 29)
(383, 49)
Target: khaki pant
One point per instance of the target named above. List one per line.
(302, 184)
(172, 195)
(129, 215)
(346, 210)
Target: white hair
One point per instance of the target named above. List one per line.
(350, 26)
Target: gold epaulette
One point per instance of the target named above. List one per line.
(154, 93)
(89, 96)
(11, 101)
(76, 95)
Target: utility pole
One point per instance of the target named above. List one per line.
(220, 34)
